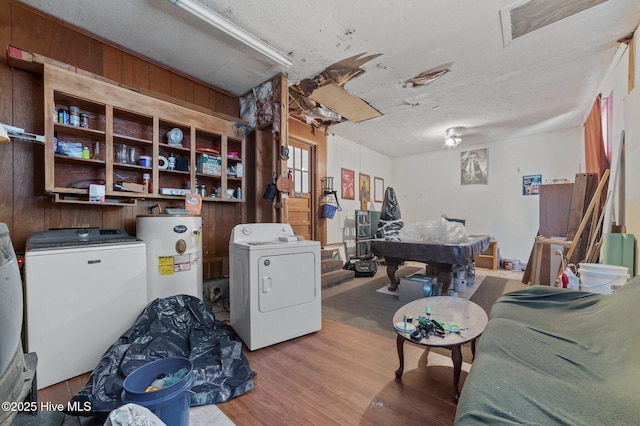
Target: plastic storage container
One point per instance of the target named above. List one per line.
(170, 404)
(601, 278)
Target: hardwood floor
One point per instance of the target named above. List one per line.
(340, 375)
(346, 376)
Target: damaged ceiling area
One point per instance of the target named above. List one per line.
(389, 76)
(323, 101)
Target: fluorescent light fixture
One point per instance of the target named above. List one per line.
(197, 9)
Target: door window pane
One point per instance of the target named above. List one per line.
(297, 157)
(297, 180)
(299, 163)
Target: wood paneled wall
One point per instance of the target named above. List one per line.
(23, 205)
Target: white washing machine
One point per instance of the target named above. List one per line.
(274, 284)
(174, 254)
(84, 288)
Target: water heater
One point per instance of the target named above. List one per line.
(174, 254)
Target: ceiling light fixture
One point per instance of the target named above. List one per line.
(453, 137)
(197, 9)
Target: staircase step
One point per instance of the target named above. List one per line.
(329, 265)
(334, 278)
(326, 254)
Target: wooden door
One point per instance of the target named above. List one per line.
(301, 202)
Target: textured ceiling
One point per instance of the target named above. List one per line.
(543, 81)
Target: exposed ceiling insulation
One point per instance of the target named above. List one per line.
(325, 91)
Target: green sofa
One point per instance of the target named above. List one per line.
(557, 356)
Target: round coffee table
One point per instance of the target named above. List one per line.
(470, 317)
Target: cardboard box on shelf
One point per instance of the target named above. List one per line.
(208, 164)
(135, 187)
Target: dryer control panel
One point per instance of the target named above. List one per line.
(262, 233)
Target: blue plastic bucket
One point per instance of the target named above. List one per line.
(329, 211)
(170, 404)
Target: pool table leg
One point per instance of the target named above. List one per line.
(391, 273)
(445, 277)
(400, 346)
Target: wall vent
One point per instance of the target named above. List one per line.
(533, 15)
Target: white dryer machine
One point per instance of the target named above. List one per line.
(274, 284)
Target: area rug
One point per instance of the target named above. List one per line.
(360, 305)
(357, 303)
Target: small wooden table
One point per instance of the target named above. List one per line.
(452, 310)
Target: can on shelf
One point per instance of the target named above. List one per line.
(63, 116)
(74, 116)
(84, 120)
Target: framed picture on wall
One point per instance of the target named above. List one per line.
(378, 190)
(347, 180)
(364, 185)
(474, 167)
(531, 184)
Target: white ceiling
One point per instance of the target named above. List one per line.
(543, 81)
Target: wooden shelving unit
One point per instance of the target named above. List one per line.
(124, 125)
(489, 258)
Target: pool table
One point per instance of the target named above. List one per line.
(443, 257)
